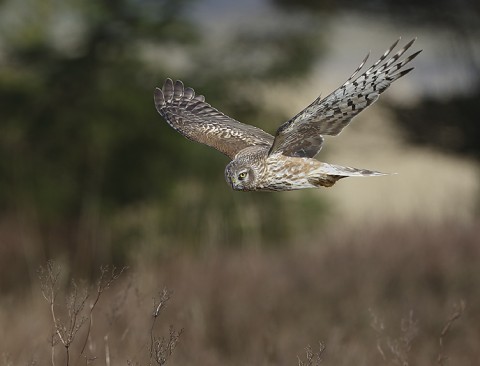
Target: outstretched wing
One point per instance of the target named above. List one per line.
(198, 121)
(301, 136)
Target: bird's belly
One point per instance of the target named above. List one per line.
(288, 174)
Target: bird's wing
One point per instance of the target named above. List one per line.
(198, 121)
(301, 136)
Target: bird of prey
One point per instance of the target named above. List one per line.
(284, 162)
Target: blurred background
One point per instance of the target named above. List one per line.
(90, 174)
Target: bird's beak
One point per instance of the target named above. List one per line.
(234, 184)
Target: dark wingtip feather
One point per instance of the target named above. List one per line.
(167, 84)
(395, 43)
(159, 99)
(411, 57)
(415, 55)
(357, 69)
(405, 61)
(383, 57)
(401, 73)
(407, 46)
(188, 93)
(178, 89)
(167, 88)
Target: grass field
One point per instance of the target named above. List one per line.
(396, 295)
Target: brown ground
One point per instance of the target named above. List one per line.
(361, 293)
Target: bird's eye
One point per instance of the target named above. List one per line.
(242, 175)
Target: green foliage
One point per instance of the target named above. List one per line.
(84, 125)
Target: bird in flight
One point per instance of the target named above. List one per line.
(284, 162)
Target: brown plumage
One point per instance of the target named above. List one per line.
(284, 162)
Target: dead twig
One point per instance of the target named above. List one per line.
(457, 312)
(106, 279)
(162, 348)
(65, 331)
(312, 358)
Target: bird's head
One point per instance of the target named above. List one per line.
(240, 175)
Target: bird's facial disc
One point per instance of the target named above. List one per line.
(238, 178)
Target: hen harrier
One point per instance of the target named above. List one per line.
(261, 162)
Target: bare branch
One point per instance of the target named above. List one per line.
(163, 348)
(458, 310)
(106, 279)
(158, 306)
(398, 348)
(75, 309)
(312, 358)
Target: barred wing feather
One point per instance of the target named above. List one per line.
(301, 136)
(199, 121)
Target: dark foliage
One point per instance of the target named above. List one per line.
(450, 125)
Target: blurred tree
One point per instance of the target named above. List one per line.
(445, 123)
(67, 106)
(458, 15)
(79, 136)
(450, 125)
(81, 144)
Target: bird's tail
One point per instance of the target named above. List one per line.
(328, 174)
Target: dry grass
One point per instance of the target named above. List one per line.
(389, 296)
